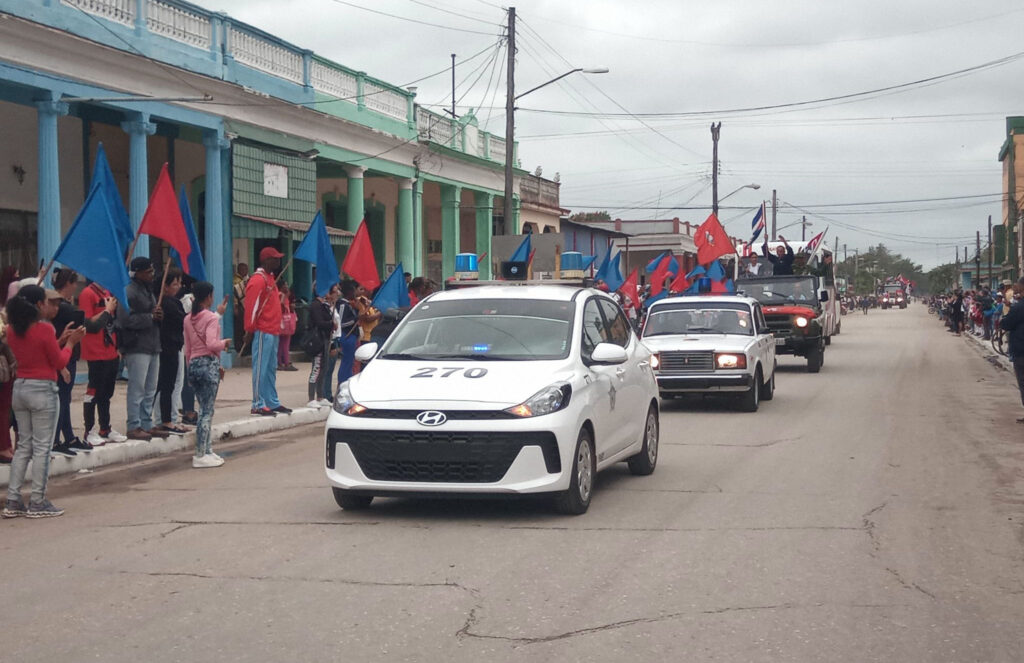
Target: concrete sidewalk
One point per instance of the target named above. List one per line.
(231, 420)
(987, 351)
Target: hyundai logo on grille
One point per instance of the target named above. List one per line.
(431, 418)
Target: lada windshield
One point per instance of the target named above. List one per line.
(781, 291)
(484, 329)
(696, 318)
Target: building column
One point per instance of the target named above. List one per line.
(355, 196)
(138, 129)
(451, 197)
(49, 233)
(406, 249)
(218, 255)
(517, 220)
(484, 229)
(419, 265)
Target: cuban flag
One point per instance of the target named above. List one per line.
(815, 243)
(757, 224)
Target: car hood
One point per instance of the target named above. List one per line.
(698, 342)
(467, 385)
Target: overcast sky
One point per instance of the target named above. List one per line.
(939, 140)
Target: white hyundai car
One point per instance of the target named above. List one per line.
(501, 389)
(712, 344)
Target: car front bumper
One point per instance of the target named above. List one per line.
(680, 384)
(501, 456)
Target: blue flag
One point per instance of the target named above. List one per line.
(613, 275)
(588, 261)
(650, 300)
(316, 248)
(91, 247)
(673, 265)
(393, 293)
(715, 271)
(522, 254)
(102, 177)
(697, 272)
(195, 267)
(603, 267)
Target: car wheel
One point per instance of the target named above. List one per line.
(644, 462)
(769, 389)
(828, 340)
(576, 500)
(350, 501)
(815, 358)
(751, 399)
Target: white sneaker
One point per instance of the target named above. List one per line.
(114, 436)
(216, 456)
(209, 460)
(95, 440)
(326, 403)
(315, 404)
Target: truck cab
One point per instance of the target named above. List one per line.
(796, 311)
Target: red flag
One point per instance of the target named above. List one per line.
(659, 275)
(681, 284)
(628, 288)
(359, 262)
(163, 218)
(719, 288)
(712, 241)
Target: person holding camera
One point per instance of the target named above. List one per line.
(65, 282)
(99, 350)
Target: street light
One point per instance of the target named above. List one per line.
(745, 186)
(510, 125)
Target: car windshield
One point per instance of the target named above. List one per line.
(484, 329)
(893, 289)
(699, 319)
(781, 291)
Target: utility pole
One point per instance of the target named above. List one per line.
(453, 85)
(991, 284)
(774, 202)
(844, 252)
(856, 263)
(510, 121)
(803, 229)
(977, 259)
(715, 128)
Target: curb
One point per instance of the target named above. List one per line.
(986, 349)
(136, 450)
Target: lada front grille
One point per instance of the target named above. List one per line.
(690, 361)
(440, 457)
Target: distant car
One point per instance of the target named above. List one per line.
(509, 389)
(712, 344)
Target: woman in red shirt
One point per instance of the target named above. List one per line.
(40, 356)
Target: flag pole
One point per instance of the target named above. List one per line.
(46, 270)
(163, 282)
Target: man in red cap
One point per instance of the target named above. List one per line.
(262, 327)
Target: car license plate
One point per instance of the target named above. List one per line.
(780, 341)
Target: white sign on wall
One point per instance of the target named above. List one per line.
(275, 180)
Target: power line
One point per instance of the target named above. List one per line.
(413, 20)
(448, 11)
(798, 104)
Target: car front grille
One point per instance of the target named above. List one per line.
(779, 324)
(440, 457)
(451, 415)
(687, 362)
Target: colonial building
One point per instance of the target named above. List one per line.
(1007, 249)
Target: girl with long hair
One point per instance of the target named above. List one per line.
(203, 346)
(40, 354)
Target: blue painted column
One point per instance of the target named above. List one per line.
(216, 252)
(139, 128)
(406, 233)
(49, 233)
(484, 229)
(419, 266)
(355, 197)
(451, 197)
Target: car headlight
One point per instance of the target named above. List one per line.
(345, 404)
(729, 360)
(801, 321)
(655, 361)
(547, 400)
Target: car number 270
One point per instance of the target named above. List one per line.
(448, 372)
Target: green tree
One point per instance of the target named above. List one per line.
(590, 217)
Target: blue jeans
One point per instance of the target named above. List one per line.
(35, 404)
(143, 371)
(64, 406)
(347, 359)
(264, 371)
(204, 378)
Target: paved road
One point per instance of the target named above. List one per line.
(872, 512)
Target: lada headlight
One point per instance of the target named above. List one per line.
(801, 321)
(730, 360)
(546, 401)
(345, 404)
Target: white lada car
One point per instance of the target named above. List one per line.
(505, 389)
(712, 344)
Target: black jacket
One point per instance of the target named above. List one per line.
(138, 332)
(780, 266)
(65, 316)
(172, 327)
(321, 319)
(1013, 322)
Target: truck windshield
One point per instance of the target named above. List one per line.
(781, 291)
(484, 329)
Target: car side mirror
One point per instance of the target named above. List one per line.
(366, 351)
(607, 354)
(824, 296)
